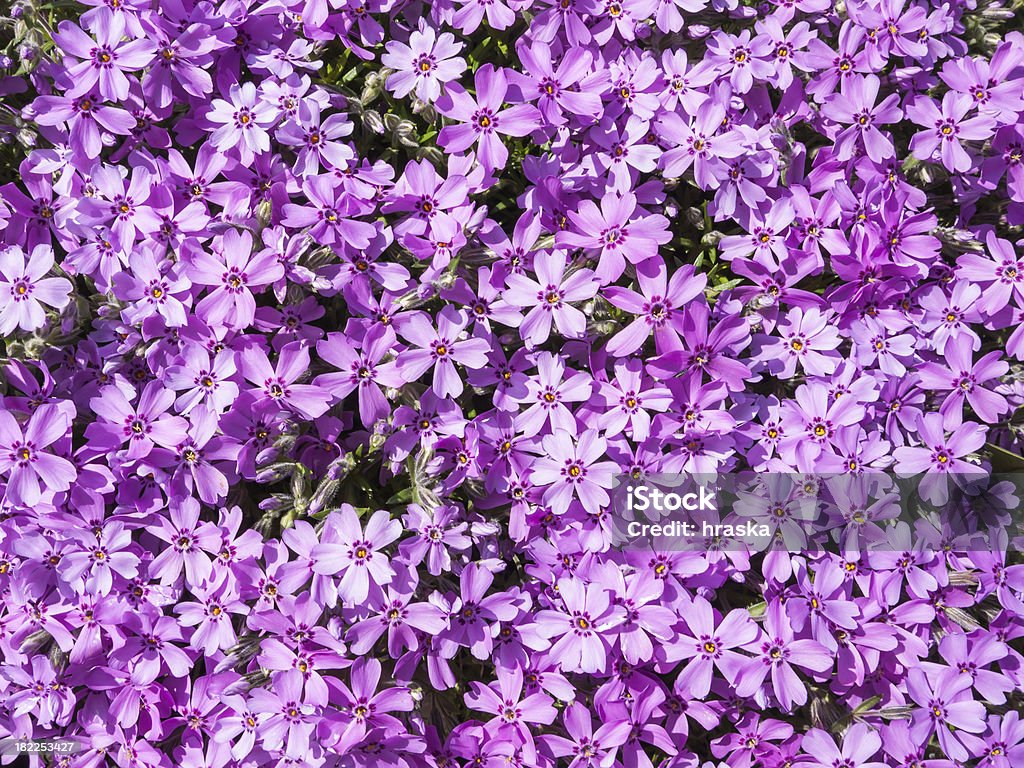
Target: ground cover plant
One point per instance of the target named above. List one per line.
(328, 325)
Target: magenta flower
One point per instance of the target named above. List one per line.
(24, 289)
(440, 349)
(31, 470)
(242, 122)
(424, 65)
(278, 385)
(573, 470)
(550, 296)
(946, 128)
(355, 554)
(780, 652)
(508, 705)
(105, 60)
(482, 119)
(233, 273)
(581, 626)
(615, 234)
(708, 645)
(860, 744)
(856, 107)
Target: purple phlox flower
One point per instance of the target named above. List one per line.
(820, 419)
(366, 705)
(855, 107)
(105, 60)
(403, 620)
(647, 620)
(151, 645)
(278, 385)
(483, 302)
(482, 119)
(1005, 742)
(467, 18)
(587, 748)
(582, 625)
(1006, 157)
(308, 662)
(190, 462)
(154, 287)
(127, 207)
(1000, 274)
(988, 82)
(964, 379)
(707, 351)
(551, 295)
(741, 58)
(233, 274)
(472, 614)
(809, 338)
(901, 747)
(329, 214)
(571, 470)
(438, 531)
(211, 614)
(203, 380)
(237, 726)
(24, 288)
(825, 603)
(751, 737)
(948, 316)
(708, 644)
(86, 116)
(424, 65)
(880, 342)
(241, 123)
(700, 143)
(318, 140)
(359, 370)
(616, 232)
(510, 708)
(945, 708)
(766, 243)
(32, 472)
(356, 554)
(422, 192)
(658, 306)
(946, 129)
(787, 48)
(971, 655)
(181, 54)
(628, 399)
(860, 744)
(42, 693)
(190, 545)
(287, 722)
(440, 349)
(780, 651)
(623, 154)
(98, 558)
(568, 86)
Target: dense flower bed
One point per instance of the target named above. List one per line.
(327, 325)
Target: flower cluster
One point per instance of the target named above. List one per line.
(328, 325)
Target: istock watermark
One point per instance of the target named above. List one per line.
(847, 513)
